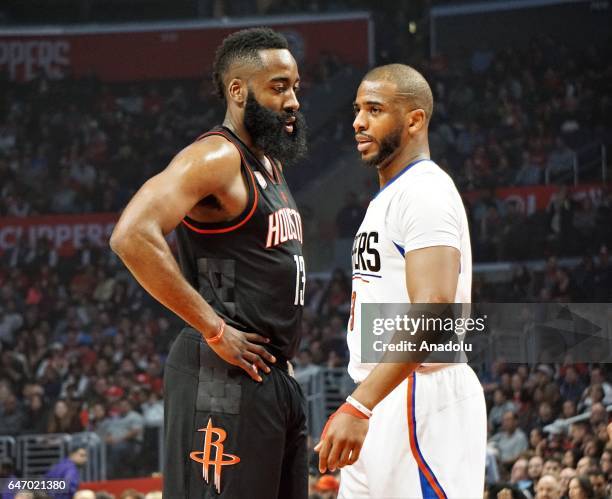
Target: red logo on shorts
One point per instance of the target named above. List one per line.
(217, 462)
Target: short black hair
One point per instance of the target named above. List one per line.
(245, 45)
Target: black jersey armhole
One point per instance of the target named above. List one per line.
(245, 216)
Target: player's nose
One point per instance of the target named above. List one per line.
(292, 103)
(359, 122)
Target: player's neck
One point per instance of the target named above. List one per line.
(398, 162)
(238, 128)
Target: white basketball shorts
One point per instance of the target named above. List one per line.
(427, 439)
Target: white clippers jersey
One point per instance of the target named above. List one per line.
(418, 208)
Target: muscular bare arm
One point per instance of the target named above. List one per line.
(431, 277)
(207, 167)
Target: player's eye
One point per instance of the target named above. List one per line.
(279, 90)
(375, 110)
(296, 89)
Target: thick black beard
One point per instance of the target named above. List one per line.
(388, 146)
(267, 130)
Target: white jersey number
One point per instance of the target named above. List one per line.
(300, 279)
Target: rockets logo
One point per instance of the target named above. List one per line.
(218, 461)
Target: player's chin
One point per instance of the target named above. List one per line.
(367, 150)
(369, 156)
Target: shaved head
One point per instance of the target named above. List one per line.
(411, 85)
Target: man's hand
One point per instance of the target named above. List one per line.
(342, 439)
(238, 349)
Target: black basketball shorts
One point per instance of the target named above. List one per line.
(227, 436)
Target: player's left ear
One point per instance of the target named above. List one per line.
(416, 120)
(237, 91)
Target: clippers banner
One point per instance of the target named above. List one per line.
(171, 50)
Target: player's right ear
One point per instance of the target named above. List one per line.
(236, 91)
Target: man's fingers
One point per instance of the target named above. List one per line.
(323, 453)
(253, 358)
(355, 451)
(251, 370)
(345, 456)
(334, 454)
(257, 338)
(262, 352)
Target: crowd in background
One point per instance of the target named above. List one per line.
(528, 456)
(517, 112)
(83, 348)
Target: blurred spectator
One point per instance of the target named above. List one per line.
(68, 469)
(11, 416)
(519, 476)
(585, 465)
(545, 415)
(598, 482)
(99, 422)
(124, 441)
(534, 469)
(580, 488)
(502, 405)
(560, 161)
(552, 467)
(64, 419)
(571, 386)
(36, 415)
(152, 409)
(528, 173)
(569, 409)
(564, 480)
(547, 488)
(11, 321)
(510, 441)
(598, 378)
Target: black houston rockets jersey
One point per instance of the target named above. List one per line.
(251, 269)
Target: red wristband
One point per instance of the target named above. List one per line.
(347, 409)
(217, 337)
(353, 411)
